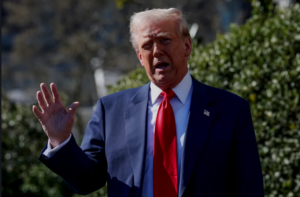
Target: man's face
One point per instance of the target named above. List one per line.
(163, 53)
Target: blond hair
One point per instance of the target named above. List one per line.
(157, 15)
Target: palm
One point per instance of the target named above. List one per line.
(55, 120)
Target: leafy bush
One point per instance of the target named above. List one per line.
(260, 61)
(22, 142)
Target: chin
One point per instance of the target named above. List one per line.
(164, 84)
(162, 79)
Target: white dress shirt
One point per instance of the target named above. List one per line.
(181, 106)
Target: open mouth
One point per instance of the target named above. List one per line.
(162, 65)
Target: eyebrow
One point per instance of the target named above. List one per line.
(152, 34)
(162, 34)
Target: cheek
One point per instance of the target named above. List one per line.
(148, 59)
(143, 59)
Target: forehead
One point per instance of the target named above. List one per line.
(151, 29)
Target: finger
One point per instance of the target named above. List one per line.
(55, 93)
(72, 109)
(37, 112)
(41, 101)
(46, 93)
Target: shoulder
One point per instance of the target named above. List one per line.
(228, 105)
(220, 97)
(224, 96)
(122, 93)
(122, 97)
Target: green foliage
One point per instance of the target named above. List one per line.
(22, 141)
(134, 79)
(99, 193)
(259, 61)
(264, 7)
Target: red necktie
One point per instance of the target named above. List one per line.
(165, 176)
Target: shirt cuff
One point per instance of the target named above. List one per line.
(49, 151)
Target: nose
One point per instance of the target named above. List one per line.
(157, 50)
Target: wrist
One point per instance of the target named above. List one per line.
(56, 142)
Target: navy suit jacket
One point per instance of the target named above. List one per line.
(220, 156)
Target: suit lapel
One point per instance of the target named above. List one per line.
(136, 127)
(199, 124)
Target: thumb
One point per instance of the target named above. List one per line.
(72, 108)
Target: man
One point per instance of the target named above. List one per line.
(172, 137)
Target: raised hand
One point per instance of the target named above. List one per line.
(56, 121)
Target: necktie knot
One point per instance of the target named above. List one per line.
(168, 94)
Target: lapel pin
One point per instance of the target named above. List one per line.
(206, 112)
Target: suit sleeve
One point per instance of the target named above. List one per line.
(83, 169)
(246, 173)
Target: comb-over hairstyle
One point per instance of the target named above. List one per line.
(156, 16)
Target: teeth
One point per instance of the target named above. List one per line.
(163, 67)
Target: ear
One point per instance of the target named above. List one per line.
(139, 55)
(187, 46)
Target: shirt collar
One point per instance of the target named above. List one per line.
(181, 90)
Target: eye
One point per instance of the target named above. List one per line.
(166, 41)
(147, 46)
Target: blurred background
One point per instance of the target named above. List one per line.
(83, 47)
